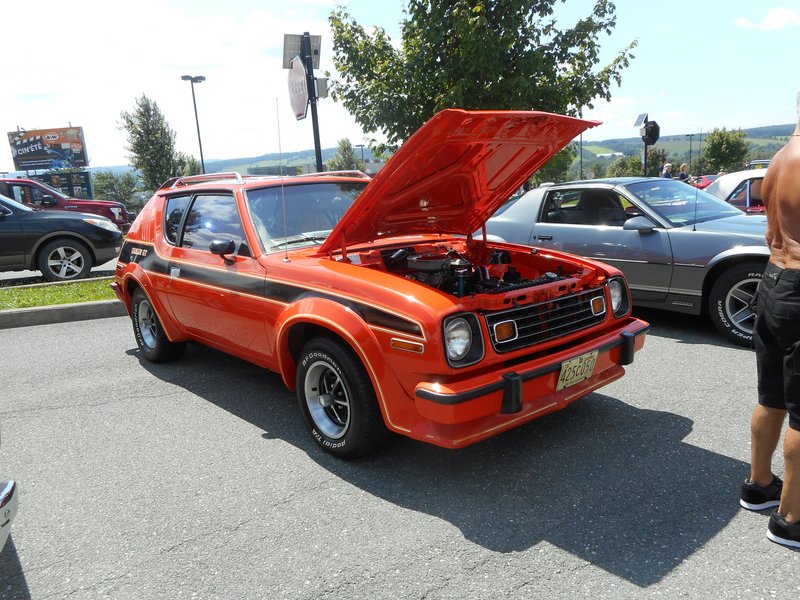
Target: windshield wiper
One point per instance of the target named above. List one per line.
(298, 239)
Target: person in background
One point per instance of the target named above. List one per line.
(667, 172)
(683, 174)
(776, 335)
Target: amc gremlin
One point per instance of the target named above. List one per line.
(373, 299)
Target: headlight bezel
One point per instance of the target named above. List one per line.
(620, 302)
(476, 350)
(102, 223)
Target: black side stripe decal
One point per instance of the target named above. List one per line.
(146, 257)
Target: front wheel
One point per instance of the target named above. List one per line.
(64, 260)
(150, 337)
(337, 399)
(729, 303)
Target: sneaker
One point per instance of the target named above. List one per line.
(781, 532)
(756, 497)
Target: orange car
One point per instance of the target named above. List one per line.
(373, 299)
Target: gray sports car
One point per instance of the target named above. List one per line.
(680, 248)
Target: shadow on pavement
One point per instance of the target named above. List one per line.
(686, 329)
(12, 580)
(612, 484)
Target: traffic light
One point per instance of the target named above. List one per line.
(649, 132)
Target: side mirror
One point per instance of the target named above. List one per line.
(48, 200)
(223, 247)
(640, 224)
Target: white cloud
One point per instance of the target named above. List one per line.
(777, 18)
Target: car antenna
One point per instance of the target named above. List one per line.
(280, 174)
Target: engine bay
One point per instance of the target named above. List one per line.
(467, 269)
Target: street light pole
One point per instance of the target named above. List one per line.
(690, 136)
(362, 152)
(193, 80)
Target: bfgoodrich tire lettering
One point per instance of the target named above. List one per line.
(150, 337)
(337, 400)
(729, 302)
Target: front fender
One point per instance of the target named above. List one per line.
(348, 325)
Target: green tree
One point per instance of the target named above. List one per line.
(656, 157)
(345, 158)
(187, 164)
(556, 169)
(725, 150)
(625, 166)
(151, 143)
(114, 187)
(472, 54)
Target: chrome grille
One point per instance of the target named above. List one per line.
(537, 323)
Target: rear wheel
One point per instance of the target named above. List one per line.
(337, 399)
(729, 303)
(64, 260)
(150, 337)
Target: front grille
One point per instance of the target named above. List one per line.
(537, 323)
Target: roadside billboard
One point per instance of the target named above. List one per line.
(57, 148)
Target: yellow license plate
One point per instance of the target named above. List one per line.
(576, 370)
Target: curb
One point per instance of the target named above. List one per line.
(61, 313)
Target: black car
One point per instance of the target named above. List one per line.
(62, 245)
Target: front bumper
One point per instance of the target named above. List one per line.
(9, 503)
(463, 412)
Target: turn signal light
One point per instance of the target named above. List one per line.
(598, 305)
(505, 331)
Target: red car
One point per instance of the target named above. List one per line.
(703, 181)
(373, 300)
(40, 195)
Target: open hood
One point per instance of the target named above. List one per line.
(454, 173)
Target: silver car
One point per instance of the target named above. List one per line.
(742, 189)
(680, 248)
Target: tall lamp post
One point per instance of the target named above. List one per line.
(196, 79)
(362, 152)
(690, 136)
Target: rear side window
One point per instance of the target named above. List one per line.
(173, 215)
(212, 218)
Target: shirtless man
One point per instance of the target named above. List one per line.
(777, 341)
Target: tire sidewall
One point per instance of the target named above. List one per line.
(322, 350)
(138, 298)
(719, 292)
(48, 249)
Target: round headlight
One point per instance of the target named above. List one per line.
(617, 294)
(457, 338)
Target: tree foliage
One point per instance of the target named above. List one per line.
(656, 157)
(556, 169)
(472, 54)
(625, 166)
(725, 150)
(151, 143)
(345, 158)
(114, 187)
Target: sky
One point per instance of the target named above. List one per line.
(699, 65)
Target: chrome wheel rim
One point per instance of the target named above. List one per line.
(146, 323)
(737, 305)
(327, 400)
(65, 262)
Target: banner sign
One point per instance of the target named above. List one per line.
(59, 148)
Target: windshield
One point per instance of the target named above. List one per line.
(312, 211)
(14, 204)
(679, 203)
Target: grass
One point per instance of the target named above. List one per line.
(61, 293)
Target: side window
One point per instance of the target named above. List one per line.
(25, 194)
(212, 218)
(561, 207)
(173, 215)
(739, 196)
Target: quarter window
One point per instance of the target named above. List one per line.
(173, 215)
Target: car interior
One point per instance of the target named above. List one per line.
(592, 207)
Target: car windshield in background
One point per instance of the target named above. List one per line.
(312, 211)
(681, 204)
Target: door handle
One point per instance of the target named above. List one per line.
(544, 238)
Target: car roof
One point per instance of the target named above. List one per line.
(232, 180)
(723, 185)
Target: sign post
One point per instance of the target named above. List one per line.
(301, 70)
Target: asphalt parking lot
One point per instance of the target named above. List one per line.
(196, 479)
